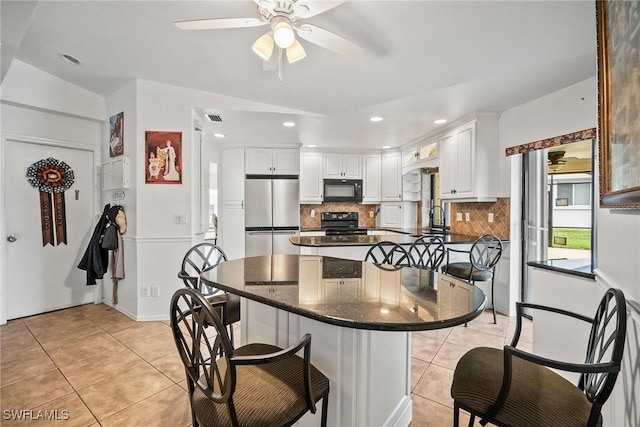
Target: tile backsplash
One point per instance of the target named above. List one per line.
(364, 220)
(478, 223)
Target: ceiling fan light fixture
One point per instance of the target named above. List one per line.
(263, 47)
(295, 52)
(283, 35)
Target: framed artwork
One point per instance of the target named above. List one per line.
(619, 103)
(116, 135)
(163, 157)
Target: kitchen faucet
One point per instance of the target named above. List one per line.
(442, 217)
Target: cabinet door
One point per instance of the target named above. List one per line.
(333, 166)
(390, 177)
(409, 157)
(448, 166)
(352, 166)
(311, 178)
(391, 215)
(331, 289)
(286, 161)
(371, 182)
(465, 154)
(310, 270)
(350, 289)
(258, 161)
(231, 226)
(232, 177)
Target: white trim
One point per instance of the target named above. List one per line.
(402, 415)
(50, 111)
(132, 316)
(50, 142)
(161, 239)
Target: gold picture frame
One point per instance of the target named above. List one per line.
(618, 37)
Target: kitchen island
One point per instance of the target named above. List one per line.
(356, 246)
(360, 316)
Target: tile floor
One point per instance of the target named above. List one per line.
(97, 367)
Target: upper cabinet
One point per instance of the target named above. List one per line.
(276, 161)
(391, 180)
(420, 154)
(343, 166)
(310, 177)
(371, 182)
(468, 162)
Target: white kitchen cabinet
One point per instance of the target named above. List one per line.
(391, 214)
(419, 153)
(231, 220)
(391, 180)
(398, 214)
(310, 283)
(372, 190)
(276, 161)
(469, 162)
(311, 178)
(343, 166)
(342, 289)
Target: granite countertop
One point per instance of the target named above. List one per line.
(370, 240)
(353, 294)
(576, 267)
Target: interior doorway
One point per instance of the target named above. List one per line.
(212, 231)
(558, 196)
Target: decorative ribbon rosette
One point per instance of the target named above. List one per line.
(52, 178)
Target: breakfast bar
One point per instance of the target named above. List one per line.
(360, 316)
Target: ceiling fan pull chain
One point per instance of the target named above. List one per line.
(280, 63)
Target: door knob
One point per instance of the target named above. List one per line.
(11, 238)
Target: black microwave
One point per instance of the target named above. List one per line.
(343, 190)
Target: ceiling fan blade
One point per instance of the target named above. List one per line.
(309, 8)
(219, 23)
(326, 39)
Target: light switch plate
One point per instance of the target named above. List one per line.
(459, 216)
(467, 217)
(490, 217)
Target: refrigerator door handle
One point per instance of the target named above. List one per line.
(258, 233)
(285, 232)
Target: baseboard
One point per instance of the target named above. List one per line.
(401, 415)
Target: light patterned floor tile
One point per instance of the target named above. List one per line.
(170, 407)
(121, 391)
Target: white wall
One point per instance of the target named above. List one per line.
(617, 244)
(29, 111)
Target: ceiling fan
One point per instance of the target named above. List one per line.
(285, 20)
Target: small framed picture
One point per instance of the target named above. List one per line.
(116, 135)
(163, 157)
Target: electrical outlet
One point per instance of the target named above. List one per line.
(155, 291)
(313, 213)
(370, 214)
(490, 217)
(467, 217)
(459, 216)
(144, 291)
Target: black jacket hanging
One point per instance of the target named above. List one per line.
(96, 259)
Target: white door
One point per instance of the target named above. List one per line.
(44, 278)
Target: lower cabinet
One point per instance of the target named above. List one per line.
(342, 289)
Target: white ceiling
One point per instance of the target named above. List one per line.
(421, 60)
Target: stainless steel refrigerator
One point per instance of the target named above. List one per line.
(272, 215)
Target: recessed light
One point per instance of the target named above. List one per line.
(440, 121)
(311, 145)
(288, 124)
(219, 135)
(70, 59)
(384, 147)
(376, 119)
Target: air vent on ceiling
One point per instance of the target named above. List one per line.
(213, 117)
